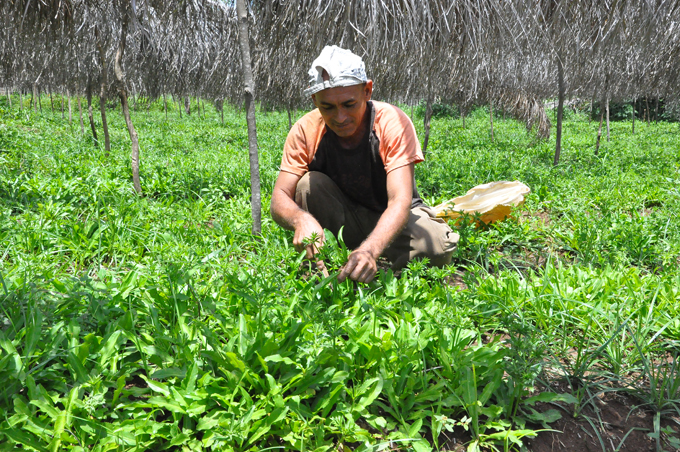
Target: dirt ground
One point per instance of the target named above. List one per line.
(613, 424)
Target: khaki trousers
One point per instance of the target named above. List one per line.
(424, 234)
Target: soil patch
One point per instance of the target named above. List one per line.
(610, 423)
(456, 280)
(541, 215)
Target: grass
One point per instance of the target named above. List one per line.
(158, 322)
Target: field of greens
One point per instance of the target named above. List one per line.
(159, 323)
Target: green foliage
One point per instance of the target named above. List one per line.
(439, 110)
(159, 322)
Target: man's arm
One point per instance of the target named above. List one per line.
(361, 264)
(288, 215)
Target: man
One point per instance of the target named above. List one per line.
(350, 163)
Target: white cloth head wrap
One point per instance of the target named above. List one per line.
(344, 69)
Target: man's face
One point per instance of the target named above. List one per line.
(343, 107)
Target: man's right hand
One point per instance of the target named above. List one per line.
(289, 215)
(309, 235)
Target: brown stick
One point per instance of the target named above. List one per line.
(122, 92)
(634, 116)
(427, 121)
(70, 114)
(88, 93)
(102, 92)
(607, 118)
(80, 115)
(560, 112)
(599, 132)
(249, 91)
(491, 117)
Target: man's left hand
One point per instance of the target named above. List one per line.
(360, 267)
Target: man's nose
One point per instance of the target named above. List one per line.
(341, 116)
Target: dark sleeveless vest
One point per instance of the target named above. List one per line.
(359, 172)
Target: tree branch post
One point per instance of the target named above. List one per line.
(560, 111)
(102, 91)
(599, 130)
(88, 93)
(80, 115)
(633, 115)
(249, 92)
(70, 113)
(427, 120)
(122, 93)
(607, 107)
(491, 117)
(34, 99)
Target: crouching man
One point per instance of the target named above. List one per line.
(350, 162)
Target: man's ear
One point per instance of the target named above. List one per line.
(368, 89)
(314, 100)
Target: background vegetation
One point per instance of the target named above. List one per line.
(159, 322)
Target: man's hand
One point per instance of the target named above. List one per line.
(308, 236)
(360, 267)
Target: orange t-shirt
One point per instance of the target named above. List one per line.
(399, 144)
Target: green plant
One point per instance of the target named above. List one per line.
(159, 321)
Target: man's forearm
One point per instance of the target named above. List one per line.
(285, 212)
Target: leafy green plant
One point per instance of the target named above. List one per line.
(159, 322)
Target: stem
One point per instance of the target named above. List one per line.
(607, 106)
(599, 132)
(122, 93)
(427, 121)
(70, 113)
(491, 118)
(102, 92)
(249, 91)
(89, 112)
(633, 114)
(560, 112)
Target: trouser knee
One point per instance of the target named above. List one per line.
(313, 189)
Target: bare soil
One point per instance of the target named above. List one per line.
(611, 423)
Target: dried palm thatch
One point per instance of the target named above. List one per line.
(463, 50)
(528, 109)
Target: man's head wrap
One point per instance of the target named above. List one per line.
(343, 67)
